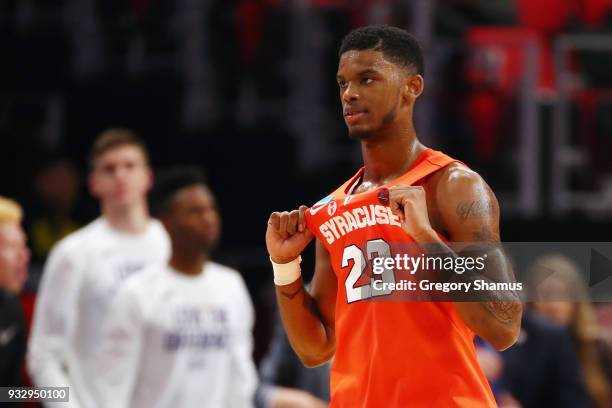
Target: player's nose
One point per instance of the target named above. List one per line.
(350, 93)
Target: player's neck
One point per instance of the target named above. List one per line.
(390, 154)
(190, 264)
(131, 219)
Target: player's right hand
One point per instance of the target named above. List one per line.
(287, 235)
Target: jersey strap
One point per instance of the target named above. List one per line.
(427, 163)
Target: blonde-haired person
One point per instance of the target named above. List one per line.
(10, 210)
(14, 253)
(561, 295)
(14, 257)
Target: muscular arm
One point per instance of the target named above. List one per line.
(467, 210)
(308, 317)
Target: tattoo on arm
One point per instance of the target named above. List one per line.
(474, 209)
(504, 312)
(505, 308)
(291, 295)
(308, 302)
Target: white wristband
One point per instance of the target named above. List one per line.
(286, 273)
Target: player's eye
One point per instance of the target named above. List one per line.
(108, 169)
(366, 81)
(342, 84)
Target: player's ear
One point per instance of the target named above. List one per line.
(413, 86)
(150, 178)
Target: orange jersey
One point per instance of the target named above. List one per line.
(391, 354)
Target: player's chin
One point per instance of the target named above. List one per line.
(358, 132)
(208, 246)
(206, 240)
(121, 199)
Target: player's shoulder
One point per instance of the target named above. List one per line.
(158, 237)
(149, 275)
(145, 281)
(223, 270)
(456, 191)
(156, 228)
(230, 280)
(456, 180)
(78, 241)
(455, 172)
(227, 274)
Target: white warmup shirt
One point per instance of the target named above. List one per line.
(80, 279)
(177, 341)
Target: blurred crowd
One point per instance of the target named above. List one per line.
(263, 71)
(244, 88)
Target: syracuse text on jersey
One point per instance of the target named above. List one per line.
(357, 218)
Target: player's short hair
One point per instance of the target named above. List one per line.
(10, 211)
(168, 182)
(397, 45)
(113, 138)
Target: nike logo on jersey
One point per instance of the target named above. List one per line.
(320, 204)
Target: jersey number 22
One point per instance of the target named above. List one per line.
(374, 248)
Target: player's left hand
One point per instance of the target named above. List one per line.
(409, 203)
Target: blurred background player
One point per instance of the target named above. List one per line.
(85, 269)
(562, 297)
(560, 358)
(14, 257)
(541, 370)
(180, 334)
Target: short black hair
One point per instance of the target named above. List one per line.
(397, 45)
(168, 182)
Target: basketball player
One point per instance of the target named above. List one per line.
(179, 334)
(86, 268)
(391, 354)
